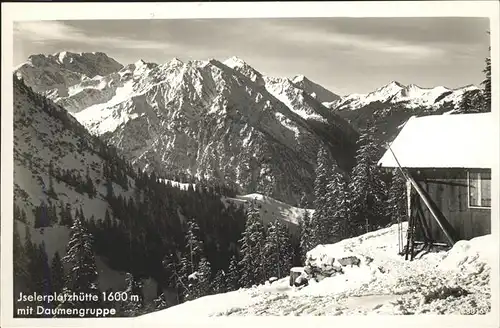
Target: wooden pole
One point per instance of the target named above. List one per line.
(431, 209)
(422, 195)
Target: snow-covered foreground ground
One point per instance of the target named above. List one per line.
(384, 283)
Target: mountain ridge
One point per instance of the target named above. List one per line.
(196, 116)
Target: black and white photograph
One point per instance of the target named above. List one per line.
(251, 166)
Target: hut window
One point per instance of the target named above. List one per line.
(479, 189)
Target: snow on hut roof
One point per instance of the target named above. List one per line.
(444, 141)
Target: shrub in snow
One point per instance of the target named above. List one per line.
(350, 260)
(443, 292)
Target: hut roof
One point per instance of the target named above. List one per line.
(445, 141)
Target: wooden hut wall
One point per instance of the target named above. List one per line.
(449, 191)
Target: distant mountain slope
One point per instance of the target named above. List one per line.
(411, 96)
(45, 134)
(197, 117)
(389, 106)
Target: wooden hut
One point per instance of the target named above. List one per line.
(447, 161)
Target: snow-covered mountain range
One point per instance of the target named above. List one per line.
(197, 116)
(411, 96)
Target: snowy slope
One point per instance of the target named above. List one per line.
(195, 117)
(386, 285)
(271, 209)
(315, 90)
(39, 139)
(294, 97)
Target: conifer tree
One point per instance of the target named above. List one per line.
(38, 270)
(19, 255)
(89, 185)
(471, 102)
(339, 206)
(28, 243)
(194, 246)
(306, 242)
(219, 284)
(285, 249)
(321, 225)
(487, 85)
(251, 248)
(202, 284)
(175, 275)
(233, 275)
(62, 213)
(24, 217)
(271, 251)
(107, 220)
(82, 276)
(278, 251)
(344, 212)
(109, 189)
(68, 218)
(17, 212)
(366, 186)
(51, 192)
(20, 265)
(132, 307)
(397, 197)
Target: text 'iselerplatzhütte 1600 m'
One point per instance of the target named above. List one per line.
(43, 304)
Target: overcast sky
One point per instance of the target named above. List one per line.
(346, 55)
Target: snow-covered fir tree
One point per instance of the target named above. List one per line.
(83, 275)
(132, 307)
(320, 226)
(306, 243)
(175, 276)
(278, 252)
(368, 191)
(194, 246)
(271, 251)
(203, 286)
(251, 249)
(487, 84)
(219, 283)
(285, 250)
(396, 202)
(233, 275)
(338, 197)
